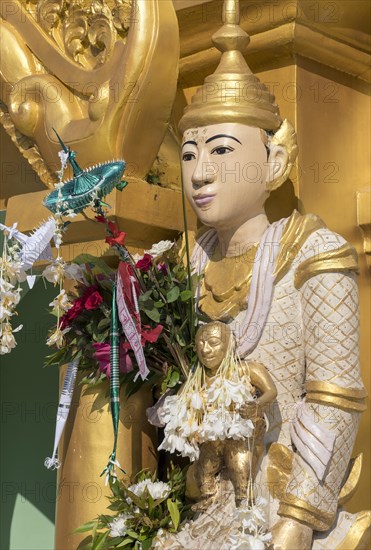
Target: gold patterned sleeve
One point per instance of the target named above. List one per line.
(324, 431)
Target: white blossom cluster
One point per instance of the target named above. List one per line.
(206, 414)
(251, 535)
(11, 275)
(157, 489)
(118, 526)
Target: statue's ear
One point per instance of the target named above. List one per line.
(277, 163)
(283, 152)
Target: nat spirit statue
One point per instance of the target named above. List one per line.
(288, 293)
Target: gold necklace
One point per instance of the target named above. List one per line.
(226, 283)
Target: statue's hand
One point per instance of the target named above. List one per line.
(251, 410)
(289, 534)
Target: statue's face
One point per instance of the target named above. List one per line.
(224, 173)
(212, 344)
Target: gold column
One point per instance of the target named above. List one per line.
(84, 451)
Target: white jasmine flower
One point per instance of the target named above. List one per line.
(240, 428)
(213, 427)
(54, 272)
(61, 301)
(7, 341)
(160, 248)
(57, 338)
(252, 517)
(197, 401)
(190, 428)
(246, 541)
(118, 526)
(5, 286)
(228, 391)
(5, 312)
(70, 213)
(58, 235)
(63, 158)
(12, 270)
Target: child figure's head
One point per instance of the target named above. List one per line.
(212, 343)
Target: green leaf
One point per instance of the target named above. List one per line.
(174, 512)
(147, 543)
(89, 526)
(125, 542)
(98, 544)
(97, 262)
(174, 379)
(145, 296)
(172, 295)
(153, 314)
(186, 295)
(132, 534)
(104, 323)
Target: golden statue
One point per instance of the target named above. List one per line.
(288, 293)
(214, 343)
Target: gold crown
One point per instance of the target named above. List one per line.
(232, 93)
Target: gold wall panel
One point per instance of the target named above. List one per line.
(333, 125)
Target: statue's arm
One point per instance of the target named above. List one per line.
(261, 379)
(325, 429)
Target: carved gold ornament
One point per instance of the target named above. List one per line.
(94, 70)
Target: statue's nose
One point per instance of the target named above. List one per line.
(204, 172)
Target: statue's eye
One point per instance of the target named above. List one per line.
(214, 341)
(222, 150)
(188, 156)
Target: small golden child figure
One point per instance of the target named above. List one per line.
(239, 455)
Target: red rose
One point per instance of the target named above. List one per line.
(72, 313)
(145, 263)
(93, 301)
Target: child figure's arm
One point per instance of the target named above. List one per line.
(261, 379)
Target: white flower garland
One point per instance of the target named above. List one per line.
(11, 275)
(202, 412)
(251, 535)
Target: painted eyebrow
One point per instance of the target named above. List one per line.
(221, 136)
(189, 143)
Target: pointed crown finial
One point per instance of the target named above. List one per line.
(232, 93)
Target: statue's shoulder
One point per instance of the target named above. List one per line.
(308, 247)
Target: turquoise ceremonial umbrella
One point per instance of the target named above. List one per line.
(86, 185)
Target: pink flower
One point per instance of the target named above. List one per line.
(162, 267)
(145, 263)
(102, 355)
